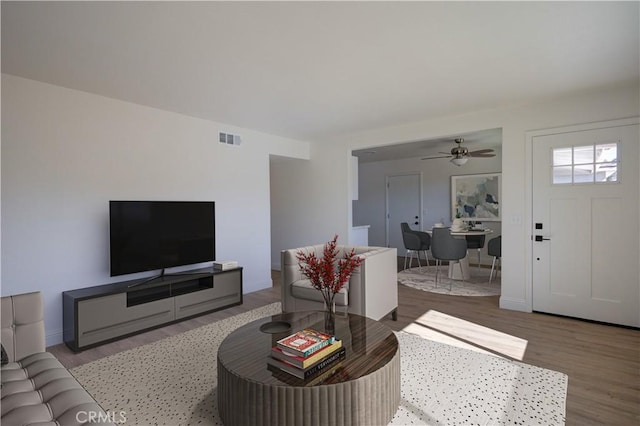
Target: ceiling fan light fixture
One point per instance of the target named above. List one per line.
(459, 161)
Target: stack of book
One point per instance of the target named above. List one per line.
(307, 353)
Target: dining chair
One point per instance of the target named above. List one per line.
(494, 248)
(444, 246)
(476, 242)
(415, 242)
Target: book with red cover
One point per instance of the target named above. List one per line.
(302, 362)
(304, 343)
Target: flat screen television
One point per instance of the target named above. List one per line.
(151, 235)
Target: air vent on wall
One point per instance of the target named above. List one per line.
(229, 139)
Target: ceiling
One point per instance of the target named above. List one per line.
(313, 70)
(490, 138)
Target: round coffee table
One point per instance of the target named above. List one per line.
(363, 389)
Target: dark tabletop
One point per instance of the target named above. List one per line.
(369, 346)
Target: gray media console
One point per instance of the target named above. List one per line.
(96, 315)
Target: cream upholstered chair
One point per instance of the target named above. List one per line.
(372, 290)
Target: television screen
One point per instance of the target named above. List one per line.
(149, 235)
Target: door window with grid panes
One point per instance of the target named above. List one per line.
(596, 163)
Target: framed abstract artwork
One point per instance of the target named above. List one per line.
(476, 197)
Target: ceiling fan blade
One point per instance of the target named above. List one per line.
(444, 153)
(481, 151)
(433, 158)
(481, 155)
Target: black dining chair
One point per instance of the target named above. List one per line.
(415, 242)
(444, 246)
(494, 248)
(476, 242)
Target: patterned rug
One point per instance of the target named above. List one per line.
(173, 382)
(425, 279)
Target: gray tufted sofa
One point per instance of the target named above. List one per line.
(372, 290)
(36, 388)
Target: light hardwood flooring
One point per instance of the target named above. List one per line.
(602, 362)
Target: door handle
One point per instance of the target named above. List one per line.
(541, 238)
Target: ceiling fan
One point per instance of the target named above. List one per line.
(459, 154)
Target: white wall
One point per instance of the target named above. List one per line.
(369, 209)
(66, 153)
(285, 203)
(600, 105)
(308, 199)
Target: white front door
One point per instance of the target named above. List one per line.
(586, 245)
(403, 205)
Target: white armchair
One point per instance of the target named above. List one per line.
(372, 290)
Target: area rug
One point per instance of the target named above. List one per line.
(425, 279)
(173, 382)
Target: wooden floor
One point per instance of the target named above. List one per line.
(602, 362)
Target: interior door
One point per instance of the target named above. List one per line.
(403, 205)
(586, 245)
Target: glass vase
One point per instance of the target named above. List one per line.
(330, 316)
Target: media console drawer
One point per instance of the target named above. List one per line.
(105, 318)
(96, 315)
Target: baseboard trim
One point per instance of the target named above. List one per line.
(53, 338)
(514, 304)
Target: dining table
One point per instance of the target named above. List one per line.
(464, 271)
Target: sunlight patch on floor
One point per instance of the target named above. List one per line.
(436, 336)
(448, 329)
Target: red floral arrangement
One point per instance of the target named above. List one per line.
(323, 274)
